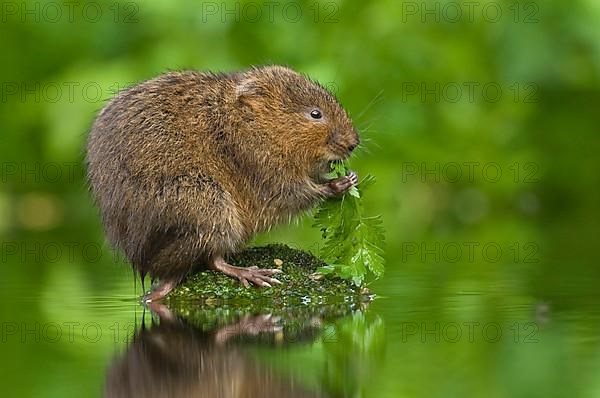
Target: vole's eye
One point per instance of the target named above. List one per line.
(316, 114)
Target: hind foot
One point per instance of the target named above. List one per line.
(258, 276)
(159, 291)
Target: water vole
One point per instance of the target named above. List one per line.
(188, 166)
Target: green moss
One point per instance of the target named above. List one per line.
(298, 287)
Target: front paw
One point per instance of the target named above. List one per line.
(341, 185)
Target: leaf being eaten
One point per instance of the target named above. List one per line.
(353, 242)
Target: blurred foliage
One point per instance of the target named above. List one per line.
(443, 106)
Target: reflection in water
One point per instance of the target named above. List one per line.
(210, 357)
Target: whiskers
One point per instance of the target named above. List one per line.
(365, 132)
(375, 99)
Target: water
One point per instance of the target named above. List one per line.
(467, 328)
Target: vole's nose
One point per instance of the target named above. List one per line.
(351, 147)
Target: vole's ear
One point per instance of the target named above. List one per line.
(247, 91)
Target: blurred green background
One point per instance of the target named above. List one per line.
(480, 121)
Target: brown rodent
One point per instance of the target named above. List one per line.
(188, 166)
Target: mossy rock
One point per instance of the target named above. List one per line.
(299, 286)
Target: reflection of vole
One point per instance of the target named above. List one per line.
(187, 167)
(175, 360)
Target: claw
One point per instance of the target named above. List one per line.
(257, 276)
(353, 177)
(343, 184)
(158, 292)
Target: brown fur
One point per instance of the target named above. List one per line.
(190, 165)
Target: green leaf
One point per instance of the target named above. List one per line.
(326, 270)
(353, 242)
(339, 168)
(354, 192)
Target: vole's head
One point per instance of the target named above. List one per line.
(302, 120)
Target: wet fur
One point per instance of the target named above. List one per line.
(190, 165)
